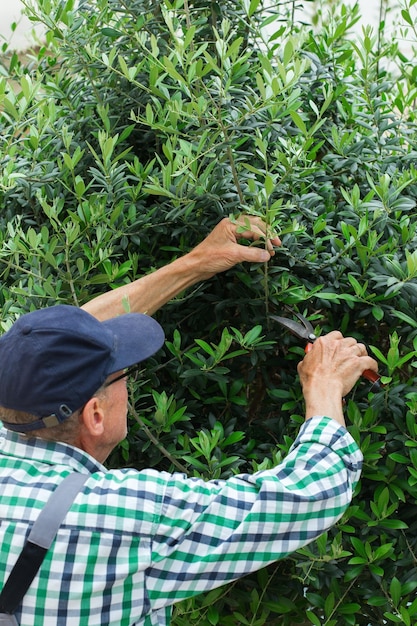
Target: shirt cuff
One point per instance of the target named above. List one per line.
(326, 431)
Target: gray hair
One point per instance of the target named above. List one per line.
(66, 432)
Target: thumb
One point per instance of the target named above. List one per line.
(254, 255)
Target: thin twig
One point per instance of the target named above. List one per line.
(155, 441)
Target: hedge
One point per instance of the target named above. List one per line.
(125, 137)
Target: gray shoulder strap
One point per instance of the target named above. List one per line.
(50, 518)
(8, 620)
(38, 543)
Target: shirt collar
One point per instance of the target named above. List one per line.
(49, 452)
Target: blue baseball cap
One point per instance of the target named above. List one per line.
(53, 360)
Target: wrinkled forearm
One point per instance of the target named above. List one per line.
(324, 400)
(148, 293)
(218, 252)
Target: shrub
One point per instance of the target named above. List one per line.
(125, 138)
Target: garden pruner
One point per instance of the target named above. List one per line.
(304, 330)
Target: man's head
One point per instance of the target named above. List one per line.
(53, 360)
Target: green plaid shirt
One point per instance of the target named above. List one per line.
(134, 543)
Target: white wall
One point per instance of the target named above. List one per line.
(20, 39)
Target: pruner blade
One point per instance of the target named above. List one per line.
(302, 329)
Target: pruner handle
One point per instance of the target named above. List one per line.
(373, 378)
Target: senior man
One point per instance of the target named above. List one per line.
(135, 542)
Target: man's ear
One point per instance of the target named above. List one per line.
(92, 417)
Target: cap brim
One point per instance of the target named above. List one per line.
(137, 337)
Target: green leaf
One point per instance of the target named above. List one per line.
(313, 618)
(253, 7)
(395, 591)
(299, 122)
(111, 32)
(206, 347)
(288, 53)
(378, 313)
(393, 524)
(281, 606)
(349, 608)
(213, 615)
(407, 17)
(399, 458)
(194, 462)
(376, 569)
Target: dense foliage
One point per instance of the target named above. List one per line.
(125, 138)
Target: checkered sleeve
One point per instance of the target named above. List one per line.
(212, 532)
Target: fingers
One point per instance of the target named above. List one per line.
(336, 344)
(220, 250)
(356, 348)
(335, 362)
(255, 255)
(250, 227)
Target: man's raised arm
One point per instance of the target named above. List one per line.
(218, 252)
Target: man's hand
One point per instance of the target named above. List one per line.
(220, 250)
(329, 371)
